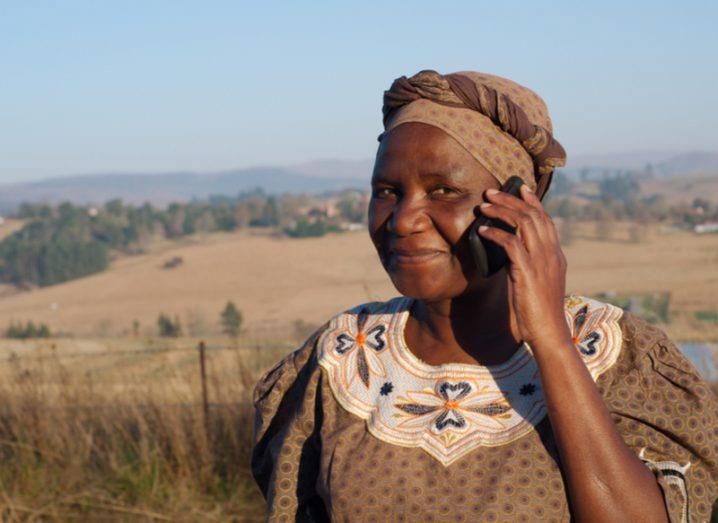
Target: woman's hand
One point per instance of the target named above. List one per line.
(537, 265)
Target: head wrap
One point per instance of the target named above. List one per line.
(504, 125)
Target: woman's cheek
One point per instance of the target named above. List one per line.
(455, 224)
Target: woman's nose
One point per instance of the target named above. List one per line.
(408, 217)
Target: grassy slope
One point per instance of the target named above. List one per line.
(277, 281)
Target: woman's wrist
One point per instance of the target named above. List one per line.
(553, 338)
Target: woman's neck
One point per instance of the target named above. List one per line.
(478, 328)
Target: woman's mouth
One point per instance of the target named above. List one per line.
(413, 256)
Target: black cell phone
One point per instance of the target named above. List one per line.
(489, 256)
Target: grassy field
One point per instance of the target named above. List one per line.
(108, 425)
(115, 430)
(276, 282)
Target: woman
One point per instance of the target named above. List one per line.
(470, 398)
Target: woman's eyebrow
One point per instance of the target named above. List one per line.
(454, 173)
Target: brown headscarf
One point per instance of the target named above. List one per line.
(504, 125)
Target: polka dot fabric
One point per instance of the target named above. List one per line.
(665, 411)
(315, 461)
(499, 152)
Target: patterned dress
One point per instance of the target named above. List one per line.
(354, 427)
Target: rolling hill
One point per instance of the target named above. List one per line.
(276, 282)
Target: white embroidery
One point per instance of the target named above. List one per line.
(674, 474)
(448, 410)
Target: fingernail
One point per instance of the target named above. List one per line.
(492, 191)
(527, 188)
(482, 228)
(484, 205)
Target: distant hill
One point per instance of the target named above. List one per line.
(315, 176)
(161, 189)
(333, 168)
(698, 162)
(662, 163)
(618, 160)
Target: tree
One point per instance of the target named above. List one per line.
(561, 184)
(270, 213)
(30, 330)
(351, 209)
(231, 320)
(622, 187)
(566, 232)
(604, 229)
(167, 327)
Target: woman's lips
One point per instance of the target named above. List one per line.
(414, 256)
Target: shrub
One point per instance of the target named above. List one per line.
(176, 261)
(167, 327)
(306, 229)
(29, 330)
(231, 320)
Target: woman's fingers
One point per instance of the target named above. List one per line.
(526, 213)
(525, 228)
(511, 243)
(532, 199)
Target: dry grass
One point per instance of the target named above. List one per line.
(9, 226)
(682, 263)
(120, 434)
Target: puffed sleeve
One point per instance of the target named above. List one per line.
(285, 450)
(668, 415)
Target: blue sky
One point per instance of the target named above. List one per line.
(156, 86)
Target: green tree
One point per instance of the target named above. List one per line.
(231, 320)
(167, 327)
(621, 187)
(30, 330)
(270, 213)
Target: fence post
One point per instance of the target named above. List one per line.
(203, 376)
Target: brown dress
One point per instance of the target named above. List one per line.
(353, 427)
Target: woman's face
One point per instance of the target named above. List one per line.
(426, 189)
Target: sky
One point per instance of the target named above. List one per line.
(160, 86)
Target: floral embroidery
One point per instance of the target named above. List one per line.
(584, 337)
(448, 410)
(359, 349)
(527, 389)
(450, 404)
(386, 388)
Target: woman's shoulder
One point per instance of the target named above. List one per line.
(624, 337)
(306, 359)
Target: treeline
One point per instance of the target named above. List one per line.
(618, 198)
(68, 241)
(54, 246)
(27, 331)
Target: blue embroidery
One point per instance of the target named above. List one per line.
(527, 389)
(386, 389)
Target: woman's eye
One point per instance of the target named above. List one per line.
(383, 192)
(442, 190)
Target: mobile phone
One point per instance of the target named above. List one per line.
(489, 256)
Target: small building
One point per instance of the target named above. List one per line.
(706, 227)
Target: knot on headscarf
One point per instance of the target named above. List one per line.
(462, 91)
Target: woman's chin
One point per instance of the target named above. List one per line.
(425, 288)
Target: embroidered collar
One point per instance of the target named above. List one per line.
(450, 409)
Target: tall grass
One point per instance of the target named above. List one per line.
(76, 446)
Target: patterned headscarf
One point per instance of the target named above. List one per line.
(504, 125)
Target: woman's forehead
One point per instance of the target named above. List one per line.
(425, 152)
(423, 144)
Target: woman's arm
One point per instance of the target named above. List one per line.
(606, 481)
